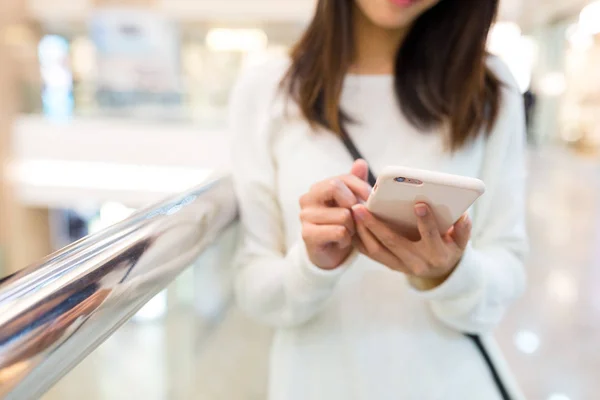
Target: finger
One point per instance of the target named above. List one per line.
(428, 228)
(360, 169)
(368, 245)
(326, 192)
(358, 244)
(342, 190)
(461, 232)
(323, 235)
(402, 248)
(384, 240)
(358, 186)
(382, 231)
(329, 216)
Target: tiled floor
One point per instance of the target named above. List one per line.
(551, 337)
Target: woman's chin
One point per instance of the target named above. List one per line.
(393, 22)
(394, 14)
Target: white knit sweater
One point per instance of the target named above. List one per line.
(361, 331)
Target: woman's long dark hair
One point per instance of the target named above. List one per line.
(441, 77)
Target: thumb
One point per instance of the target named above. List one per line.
(462, 231)
(360, 169)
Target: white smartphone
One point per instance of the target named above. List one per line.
(398, 189)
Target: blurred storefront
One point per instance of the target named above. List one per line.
(195, 53)
(180, 71)
(567, 81)
(581, 108)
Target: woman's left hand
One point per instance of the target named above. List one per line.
(427, 262)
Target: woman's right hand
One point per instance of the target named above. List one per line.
(326, 216)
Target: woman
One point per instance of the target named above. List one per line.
(359, 313)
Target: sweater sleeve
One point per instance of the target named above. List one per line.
(491, 273)
(274, 284)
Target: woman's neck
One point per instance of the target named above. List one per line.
(375, 47)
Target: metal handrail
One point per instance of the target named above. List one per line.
(53, 314)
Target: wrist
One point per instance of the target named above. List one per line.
(431, 282)
(424, 284)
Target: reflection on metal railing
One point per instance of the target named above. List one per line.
(55, 313)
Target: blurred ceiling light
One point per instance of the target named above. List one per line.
(553, 84)
(503, 36)
(589, 19)
(244, 40)
(526, 341)
(578, 38)
(558, 396)
(516, 50)
(562, 287)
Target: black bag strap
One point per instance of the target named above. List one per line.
(476, 339)
(356, 155)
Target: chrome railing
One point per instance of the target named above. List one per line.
(53, 314)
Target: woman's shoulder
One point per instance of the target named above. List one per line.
(510, 92)
(503, 73)
(261, 80)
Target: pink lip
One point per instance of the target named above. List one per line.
(404, 3)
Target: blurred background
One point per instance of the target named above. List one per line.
(107, 106)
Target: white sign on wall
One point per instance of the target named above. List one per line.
(138, 58)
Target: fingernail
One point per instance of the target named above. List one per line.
(358, 212)
(421, 210)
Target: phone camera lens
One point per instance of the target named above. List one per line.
(400, 179)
